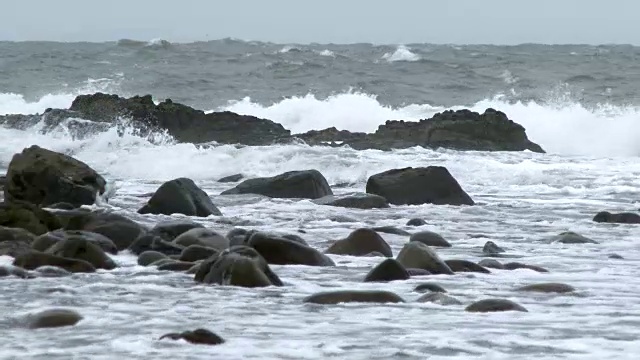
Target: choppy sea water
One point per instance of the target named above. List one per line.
(522, 199)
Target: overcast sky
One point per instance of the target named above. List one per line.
(324, 21)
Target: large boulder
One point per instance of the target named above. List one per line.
(15, 241)
(415, 186)
(237, 266)
(45, 177)
(354, 201)
(23, 215)
(45, 241)
(202, 237)
(180, 196)
(182, 122)
(282, 251)
(306, 184)
(82, 249)
(420, 256)
(120, 229)
(361, 242)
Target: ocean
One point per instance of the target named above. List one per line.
(581, 103)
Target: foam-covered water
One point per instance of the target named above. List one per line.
(522, 198)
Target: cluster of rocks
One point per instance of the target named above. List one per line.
(463, 129)
(47, 232)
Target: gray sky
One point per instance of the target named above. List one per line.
(324, 21)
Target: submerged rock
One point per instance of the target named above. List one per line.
(418, 255)
(430, 238)
(439, 298)
(621, 218)
(360, 243)
(416, 222)
(306, 184)
(433, 287)
(354, 201)
(548, 288)
(197, 336)
(35, 259)
(570, 237)
(202, 237)
(347, 296)
(180, 196)
(53, 318)
(282, 251)
(492, 248)
(517, 265)
(466, 266)
(231, 178)
(387, 270)
(491, 263)
(416, 186)
(237, 266)
(494, 305)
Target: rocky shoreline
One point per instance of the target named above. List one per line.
(461, 130)
(49, 233)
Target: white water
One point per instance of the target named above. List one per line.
(402, 53)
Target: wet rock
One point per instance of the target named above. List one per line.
(231, 178)
(45, 241)
(18, 214)
(387, 270)
(237, 266)
(494, 305)
(492, 248)
(44, 177)
(202, 237)
(15, 241)
(35, 259)
(52, 271)
(14, 271)
(180, 196)
(517, 265)
(432, 287)
(150, 242)
(120, 229)
(306, 184)
(238, 236)
(347, 296)
(430, 238)
(415, 186)
(162, 261)
(416, 222)
(616, 256)
(354, 201)
(194, 253)
(282, 251)
(53, 318)
(81, 249)
(194, 269)
(62, 206)
(570, 237)
(147, 258)
(296, 238)
(391, 230)
(182, 122)
(418, 272)
(360, 242)
(375, 254)
(178, 266)
(466, 266)
(491, 263)
(621, 218)
(548, 288)
(171, 229)
(418, 255)
(197, 336)
(342, 219)
(439, 298)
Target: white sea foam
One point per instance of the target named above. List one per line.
(402, 53)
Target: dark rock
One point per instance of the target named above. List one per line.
(359, 243)
(461, 129)
(180, 196)
(44, 177)
(465, 266)
(197, 336)
(387, 270)
(418, 255)
(237, 266)
(517, 265)
(53, 318)
(548, 288)
(45, 241)
(194, 253)
(149, 257)
(282, 251)
(492, 248)
(430, 238)
(494, 305)
(52, 271)
(429, 287)
(616, 256)
(121, 230)
(169, 230)
(162, 261)
(570, 237)
(182, 122)
(375, 254)
(14, 271)
(150, 242)
(18, 214)
(62, 206)
(296, 238)
(354, 201)
(194, 269)
(15, 241)
(81, 249)
(179, 266)
(621, 218)
(306, 184)
(415, 186)
(238, 236)
(202, 237)
(35, 259)
(391, 230)
(491, 263)
(416, 222)
(439, 298)
(231, 178)
(418, 272)
(347, 296)
(342, 219)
